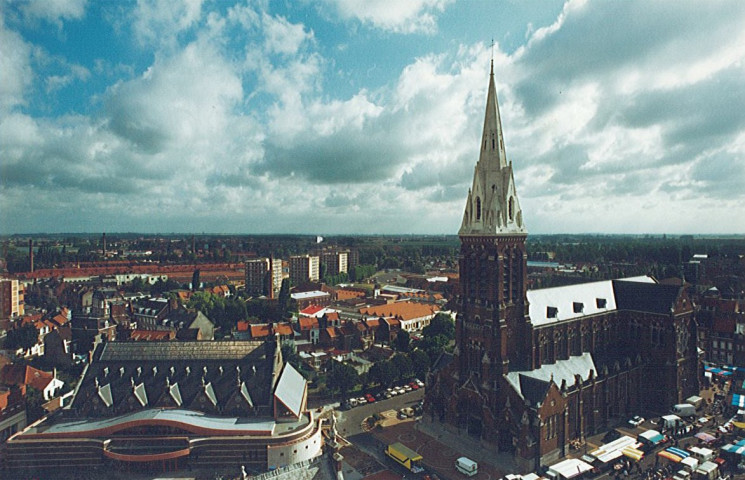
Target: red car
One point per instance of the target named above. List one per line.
(414, 386)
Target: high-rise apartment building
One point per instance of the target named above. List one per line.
(263, 276)
(304, 268)
(336, 262)
(11, 298)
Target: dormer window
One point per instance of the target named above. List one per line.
(578, 307)
(552, 312)
(601, 302)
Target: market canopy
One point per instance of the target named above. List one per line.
(736, 449)
(670, 456)
(674, 454)
(705, 437)
(734, 369)
(652, 436)
(718, 371)
(738, 400)
(633, 453)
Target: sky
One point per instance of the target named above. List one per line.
(364, 116)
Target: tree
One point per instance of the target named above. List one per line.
(24, 337)
(433, 346)
(283, 299)
(421, 363)
(342, 377)
(195, 281)
(383, 373)
(402, 341)
(441, 324)
(139, 285)
(34, 401)
(402, 366)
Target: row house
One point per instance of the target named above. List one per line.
(267, 331)
(412, 316)
(721, 332)
(24, 376)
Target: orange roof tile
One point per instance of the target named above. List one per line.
(311, 310)
(259, 331)
(307, 323)
(403, 310)
(283, 329)
(243, 325)
(372, 322)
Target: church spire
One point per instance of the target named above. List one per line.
(492, 207)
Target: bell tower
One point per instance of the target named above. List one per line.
(492, 325)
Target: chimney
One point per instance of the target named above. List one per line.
(31, 255)
(193, 245)
(103, 240)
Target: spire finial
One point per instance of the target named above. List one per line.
(492, 56)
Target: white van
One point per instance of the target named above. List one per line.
(684, 410)
(466, 466)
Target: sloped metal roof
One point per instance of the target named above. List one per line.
(585, 295)
(291, 389)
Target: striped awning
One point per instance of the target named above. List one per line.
(670, 456)
(678, 451)
(736, 449)
(738, 400)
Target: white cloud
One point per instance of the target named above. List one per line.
(53, 11)
(282, 36)
(411, 16)
(159, 22)
(237, 124)
(16, 73)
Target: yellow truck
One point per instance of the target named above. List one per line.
(405, 456)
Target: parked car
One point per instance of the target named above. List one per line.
(419, 382)
(611, 435)
(414, 386)
(636, 420)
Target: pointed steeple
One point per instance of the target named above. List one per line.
(492, 141)
(492, 207)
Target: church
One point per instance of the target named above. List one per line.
(534, 371)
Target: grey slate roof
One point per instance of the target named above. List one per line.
(175, 351)
(646, 297)
(531, 384)
(227, 378)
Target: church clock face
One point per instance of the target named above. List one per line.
(682, 340)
